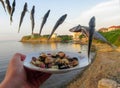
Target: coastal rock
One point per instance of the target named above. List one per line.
(107, 83)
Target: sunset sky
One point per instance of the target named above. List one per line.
(106, 12)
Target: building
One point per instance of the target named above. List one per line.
(103, 30)
(54, 35)
(76, 36)
(112, 28)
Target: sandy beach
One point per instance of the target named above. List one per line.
(105, 65)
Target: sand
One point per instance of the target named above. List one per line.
(105, 65)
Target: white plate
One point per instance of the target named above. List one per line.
(83, 62)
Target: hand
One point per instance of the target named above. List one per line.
(17, 76)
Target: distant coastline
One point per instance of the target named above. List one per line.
(40, 39)
(63, 39)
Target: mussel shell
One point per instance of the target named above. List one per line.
(63, 67)
(42, 58)
(75, 58)
(34, 58)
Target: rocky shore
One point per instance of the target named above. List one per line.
(105, 65)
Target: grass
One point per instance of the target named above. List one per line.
(112, 36)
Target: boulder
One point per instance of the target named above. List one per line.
(107, 83)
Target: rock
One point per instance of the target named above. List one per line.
(107, 83)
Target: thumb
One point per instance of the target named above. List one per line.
(18, 58)
(21, 56)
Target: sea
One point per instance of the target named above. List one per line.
(10, 47)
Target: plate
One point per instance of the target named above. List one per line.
(83, 62)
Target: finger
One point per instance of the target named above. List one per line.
(36, 77)
(17, 59)
(42, 79)
(23, 57)
(39, 78)
(35, 72)
(15, 62)
(44, 76)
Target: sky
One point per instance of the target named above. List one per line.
(106, 12)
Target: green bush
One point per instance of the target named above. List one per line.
(65, 38)
(26, 37)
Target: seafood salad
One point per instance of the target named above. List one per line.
(57, 60)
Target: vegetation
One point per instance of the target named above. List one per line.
(26, 37)
(46, 36)
(37, 38)
(81, 36)
(65, 38)
(112, 36)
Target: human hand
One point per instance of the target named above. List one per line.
(17, 76)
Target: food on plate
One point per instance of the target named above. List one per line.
(55, 61)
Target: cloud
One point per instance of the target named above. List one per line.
(106, 13)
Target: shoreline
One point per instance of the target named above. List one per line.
(105, 65)
(51, 41)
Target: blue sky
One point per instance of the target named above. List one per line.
(107, 13)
